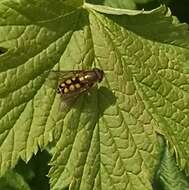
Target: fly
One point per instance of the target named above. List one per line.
(72, 83)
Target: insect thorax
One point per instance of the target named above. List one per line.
(76, 83)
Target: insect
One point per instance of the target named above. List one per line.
(72, 83)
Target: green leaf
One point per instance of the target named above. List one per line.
(13, 181)
(107, 139)
(127, 4)
(35, 171)
(35, 44)
(169, 174)
(119, 11)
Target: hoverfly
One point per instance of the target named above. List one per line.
(72, 83)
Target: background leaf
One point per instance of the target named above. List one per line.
(34, 45)
(128, 4)
(13, 181)
(169, 174)
(108, 139)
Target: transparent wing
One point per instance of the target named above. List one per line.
(54, 78)
(69, 99)
(67, 102)
(60, 75)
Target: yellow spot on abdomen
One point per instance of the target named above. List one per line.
(81, 78)
(77, 85)
(66, 90)
(68, 81)
(73, 79)
(62, 85)
(72, 87)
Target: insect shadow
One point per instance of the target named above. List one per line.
(106, 99)
(104, 95)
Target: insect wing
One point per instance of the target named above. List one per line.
(60, 75)
(67, 102)
(69, 99)
(54, 78)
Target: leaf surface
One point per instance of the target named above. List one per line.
(108, 139)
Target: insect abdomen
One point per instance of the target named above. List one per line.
(71, 85)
